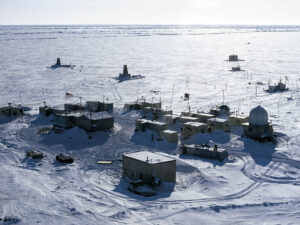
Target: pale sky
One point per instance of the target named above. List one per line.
(249, 12)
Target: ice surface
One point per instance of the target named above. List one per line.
(259, 183)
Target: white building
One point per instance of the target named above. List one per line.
(258, 126)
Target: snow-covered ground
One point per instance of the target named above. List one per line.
(258, 184)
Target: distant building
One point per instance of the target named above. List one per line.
(90, 121)
(191, 128)
(49, 110)
(148, 166)
(218, 123)
(238, 120)
(233, 58)
(258, 126)
(220, 111)
(204, 151)
(170, 136)
(125, 73)
(236, 69)
(142, 104)
(96, 106)
(158, 112)
(69, 107)
(170, 119)
(280, 87)
(11, 110)
(143, 124)
(66, 120)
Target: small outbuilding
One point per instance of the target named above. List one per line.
(280, 87)
(70, 107)
(218, 123)
(170, 136)
(66, 120)
(143, 124)
(170, 119)
(191, 128)
(157, 112)
(96, 106)
(11, 111)
(238, 120)
(90, 121)
(148, 166)
(233, 58)
(220, 111)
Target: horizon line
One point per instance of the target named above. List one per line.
(153, 24)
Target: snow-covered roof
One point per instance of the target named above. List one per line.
(219, 120)
(97, 115)
(149, 157)
(195, 124)
(170, 131)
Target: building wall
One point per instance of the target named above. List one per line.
(135, 169)
(257, 132)
(189, 130)
(94, 125)
(215, 125)
(11, 111)
(170, 137)
(103, 124)
(237, 121)
(65, 121)
(165, 171)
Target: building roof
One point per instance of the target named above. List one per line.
(188, 118)
(170, 131)
(218, 120)
(97, 115)
(203, 114)
(149, 157)
(258, 117)
(195, 124)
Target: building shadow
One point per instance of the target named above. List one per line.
(31, 163)
(261, 152)
(75, 138)
(164, 190)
